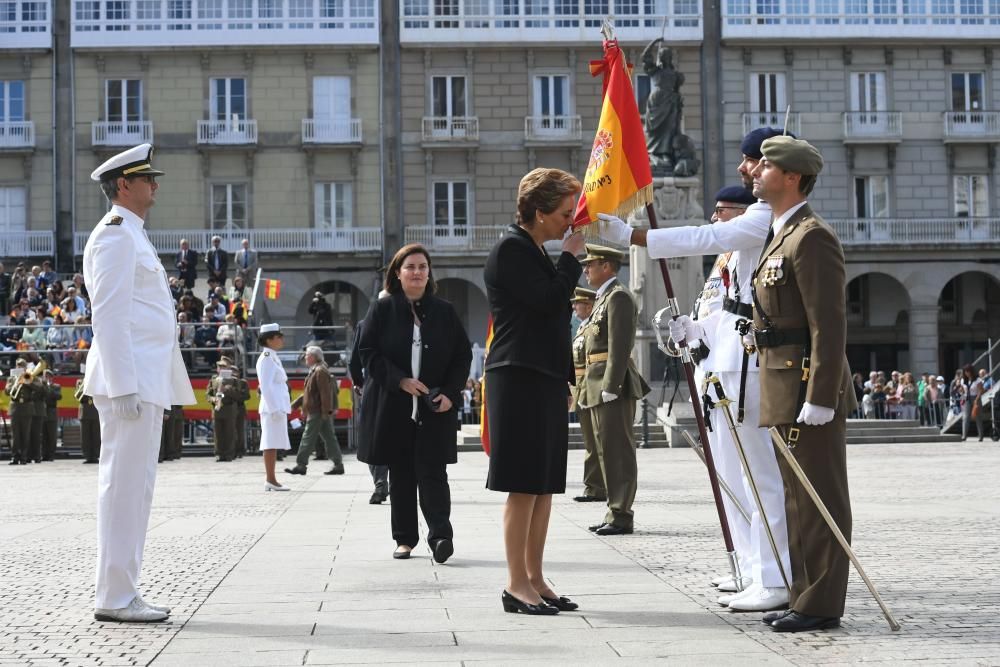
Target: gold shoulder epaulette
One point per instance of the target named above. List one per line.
(115, 220)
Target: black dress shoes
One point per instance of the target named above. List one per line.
(796, 622)
(611, 529)
(595, 527)
(377, 498)
(512, 605)
(296, 470)
(589, 499)
(772, 616)
(401, 555)
(442, 550)
(561, 603)
(335, 470)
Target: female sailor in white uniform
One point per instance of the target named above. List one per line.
(275, 403)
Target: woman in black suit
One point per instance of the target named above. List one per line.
(416, 357)
(528, 372)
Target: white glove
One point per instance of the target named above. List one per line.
(614, 229)
(815, 415)
(678, 333)
(684, 328)
(607, 396)
(126, 407)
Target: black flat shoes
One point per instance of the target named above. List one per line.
(561, 603)
(512, 605)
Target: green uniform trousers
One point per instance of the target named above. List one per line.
(50, 436)
(37, 431)
(613, 425)
(593, 478)
(224, 424)
(319, 426)
(176, 436)
(20, 429)
(90, 439)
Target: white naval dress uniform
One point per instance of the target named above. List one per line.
(135, 351)
(744, 236)
(275, 403)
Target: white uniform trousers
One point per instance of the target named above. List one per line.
(126, 476)
(727, 467)
(763, 462)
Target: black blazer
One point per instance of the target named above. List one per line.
(385, 346)
(191, 270)
(223, 261)
(354, 367)
(529, 298)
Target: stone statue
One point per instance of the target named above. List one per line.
(685, 158)
(664, 106)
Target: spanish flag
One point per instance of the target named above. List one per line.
(618, 178)
(484, 426)
(272, 289)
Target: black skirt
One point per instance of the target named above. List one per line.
(529, 431)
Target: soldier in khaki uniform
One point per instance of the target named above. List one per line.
(611, 384)
(222, 394)
(242, 396)
(20, 412)
(90, 426)
(176, 432)
(37, 400)
(593, 479)
(800, 330)
(51, 393)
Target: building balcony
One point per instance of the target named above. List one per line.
(121, 133)
(17, 134)
(455, 240)
(275, 240)
(26, 24)
(450, 129)
(873, 127)
(754, 119)
(157, 23)
(227, 132)
(27, 244)
(833, 19)
(904, 232)
(546, 21)
(972, 126)
(553, 129)
(336, 131)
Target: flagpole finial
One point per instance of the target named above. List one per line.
(788, 112)
(608, 29)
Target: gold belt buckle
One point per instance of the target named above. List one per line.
(793, 437)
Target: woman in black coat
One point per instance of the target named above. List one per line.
(529, 369)
(416, 356)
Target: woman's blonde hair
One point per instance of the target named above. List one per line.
(543, 189)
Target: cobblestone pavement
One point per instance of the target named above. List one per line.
(306, 577)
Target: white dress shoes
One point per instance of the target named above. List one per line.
(761, 599)
(275, 487)
(721, 579)
(729, 585)
(135, 612)
(727, 600)
(155, 607)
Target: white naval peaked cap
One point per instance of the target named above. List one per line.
(270, 328)
(133, 162)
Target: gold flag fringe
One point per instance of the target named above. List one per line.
(642, 197)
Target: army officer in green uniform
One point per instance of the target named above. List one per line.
(20, 412)
(51, 393)
(90, 426)
(222, 394)
(593, 478)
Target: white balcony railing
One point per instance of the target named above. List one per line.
(153, 23)
(239, 131)
(27, 244)
(546, 21)
(451, 128)
(121, 133)
(553, 128)
(457, 239)
(26, 24)
(910, 231)
(332, 131)
(972, 125)
(873, 126)
(754, 119)
(17, 134)
(893, 19)
(293, 240)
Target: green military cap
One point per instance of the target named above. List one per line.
(583, 295)
(602, 253)
(795, 155)
(224, 360)
(22, 363)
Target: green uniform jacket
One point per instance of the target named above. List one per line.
(53, 393)
(610, 331)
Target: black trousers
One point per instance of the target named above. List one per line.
(407, 475)
(380, 475)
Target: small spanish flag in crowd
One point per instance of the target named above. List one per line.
(484, 427)
(618, 178)
(272, 289)
(55, 311)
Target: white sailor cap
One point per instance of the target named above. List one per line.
(133, 162)
(270, 328)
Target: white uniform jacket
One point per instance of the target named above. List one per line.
(274, 398)
(744, 236)
(135, 348)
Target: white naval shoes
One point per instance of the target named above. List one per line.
(155, 607)
(727, 600)
(721, 579)
(136, 612)
(761, 598)
(729, 585)
(275, 487)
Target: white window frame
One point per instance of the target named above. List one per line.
(870, 184)
(775, 90)
(9, 207)
(327, 197)
(968, 89)
(449, 95)
(230, 223)
(123, 100)
(964, 187)
(332, 120)
(450, 231)
(227, 114)
(868, 92)
(6, 86)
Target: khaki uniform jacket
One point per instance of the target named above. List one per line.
(809, 294)
(223, 394)
(579, 360)
(611, 331)
(22, 407)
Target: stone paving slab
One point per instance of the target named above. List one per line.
(306, 578)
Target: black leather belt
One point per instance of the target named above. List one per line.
(773, 337)
(699, 353)
(737, 307)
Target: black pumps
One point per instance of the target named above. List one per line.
(512, 605)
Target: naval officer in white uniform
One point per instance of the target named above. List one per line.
(134, 372)
(743, 236)
(275, 403)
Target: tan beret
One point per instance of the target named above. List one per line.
(795, 155)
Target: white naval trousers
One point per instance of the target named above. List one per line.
(125, 479)
(764, 467)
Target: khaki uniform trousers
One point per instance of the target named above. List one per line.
(593, 478)
(616, 452)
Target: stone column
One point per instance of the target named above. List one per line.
(924, 337)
